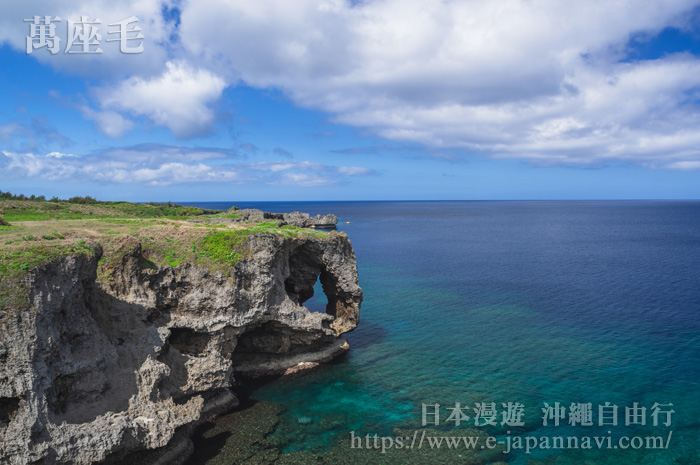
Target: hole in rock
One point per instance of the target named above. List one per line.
(272, 339)
(275, 338)
(8, 409)
(188, 341)
(319, 301)
(309, 283)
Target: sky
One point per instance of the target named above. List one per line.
(249, 100)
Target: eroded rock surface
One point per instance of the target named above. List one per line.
(95, 370)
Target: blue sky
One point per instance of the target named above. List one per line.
(335, 100)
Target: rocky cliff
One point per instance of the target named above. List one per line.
(102, 367)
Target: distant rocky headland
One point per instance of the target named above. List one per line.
(124, 326)
(299, 219)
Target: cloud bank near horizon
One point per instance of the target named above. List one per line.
(164, 165)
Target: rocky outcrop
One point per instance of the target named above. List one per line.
(99, 370)
(303, 220)
(298, 219)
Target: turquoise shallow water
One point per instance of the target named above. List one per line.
(526, 302)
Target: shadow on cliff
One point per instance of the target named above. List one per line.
(88, 343)
(110, 337)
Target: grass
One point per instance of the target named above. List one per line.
(16, 262)
(230, 246)
(218, 249)
(32, 210)
(43, 231)
(225, 246)
(229, 214)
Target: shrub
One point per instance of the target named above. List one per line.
(83, 200)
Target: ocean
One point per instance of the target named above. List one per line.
(541, 303)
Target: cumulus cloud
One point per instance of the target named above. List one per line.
(544, 81)
(157, 165)
(111, 62)
(550, 82)
(177, 98)
(111, 123)
(168, 92)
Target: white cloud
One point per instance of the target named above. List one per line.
(109, 64)
(112, 169)
(177, 98)
(304, 180)
(541, 81)
(276, 167)
(109, 122)
(60, 155)
(310, 173)
(684, 165)
(170, 173)
(354, 170)
(156, 165)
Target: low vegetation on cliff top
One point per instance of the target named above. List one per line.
(15, 263)
(37, 231)
(22, 208)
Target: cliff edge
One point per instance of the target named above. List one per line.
(115, 343)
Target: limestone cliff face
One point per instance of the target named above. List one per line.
(92, 371)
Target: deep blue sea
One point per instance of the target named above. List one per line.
(530, 302)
